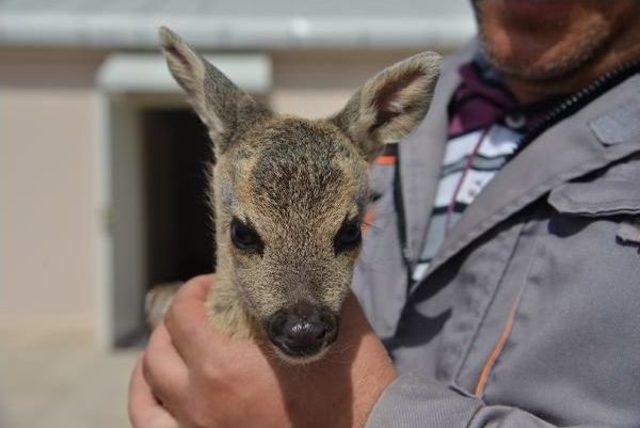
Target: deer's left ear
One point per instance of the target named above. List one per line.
(391, 104)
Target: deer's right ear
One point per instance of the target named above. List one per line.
(221, 105)
(391, 104)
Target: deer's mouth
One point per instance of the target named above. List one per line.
(303, 332)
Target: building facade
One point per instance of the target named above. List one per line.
(101, 164)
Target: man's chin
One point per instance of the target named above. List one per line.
(538, 69)
(522, 50)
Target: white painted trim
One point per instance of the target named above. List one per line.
(148, 72)
(123, 30)
(102, 208)
(121, 234)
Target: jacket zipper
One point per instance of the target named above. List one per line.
(575, 102)
(398, 202)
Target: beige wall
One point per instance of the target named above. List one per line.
(315, 84)
(47, 222)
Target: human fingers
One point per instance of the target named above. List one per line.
(143, 408)
(164, 370)
(187, 320)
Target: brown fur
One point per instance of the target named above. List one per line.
(295, 181)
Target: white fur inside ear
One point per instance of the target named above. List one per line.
(396, 106)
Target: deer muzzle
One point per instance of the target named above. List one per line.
(303, 330)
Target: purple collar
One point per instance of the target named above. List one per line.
(482, 100)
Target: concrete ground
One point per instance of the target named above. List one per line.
(62, 381)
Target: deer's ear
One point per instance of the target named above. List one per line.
(391, 104)
(221, 105)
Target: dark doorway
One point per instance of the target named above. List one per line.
(180, 233)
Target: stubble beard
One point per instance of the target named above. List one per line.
(572, 54)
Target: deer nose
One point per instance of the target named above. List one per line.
(302, 330)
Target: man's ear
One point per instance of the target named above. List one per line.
(391, 104)
(222, 106)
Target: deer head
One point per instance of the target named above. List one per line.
(290, 194)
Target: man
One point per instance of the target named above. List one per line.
(506, 288)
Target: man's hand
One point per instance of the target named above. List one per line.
(192, 375)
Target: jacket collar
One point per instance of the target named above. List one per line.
(421, 154)
(569, 149)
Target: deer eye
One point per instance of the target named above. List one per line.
(348, 237)
(244, 237)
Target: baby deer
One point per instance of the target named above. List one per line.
(290, 195)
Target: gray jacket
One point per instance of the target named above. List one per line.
(530, 313)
